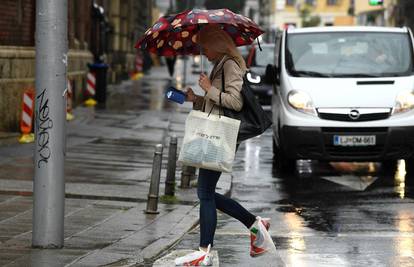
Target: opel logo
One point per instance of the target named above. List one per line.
(354, 114)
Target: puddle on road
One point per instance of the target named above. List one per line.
(358, 183)
(335, 197)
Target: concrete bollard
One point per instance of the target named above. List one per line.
(172, 160)
(187, 174)
(152, 203)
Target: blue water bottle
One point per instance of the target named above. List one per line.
(175, 95)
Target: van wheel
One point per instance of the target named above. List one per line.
(282, 163)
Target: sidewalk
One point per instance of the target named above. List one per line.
(107, 171)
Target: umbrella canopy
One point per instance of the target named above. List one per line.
(176, 34)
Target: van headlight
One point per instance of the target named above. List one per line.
(301, 101)
(404, 102)
(253, 78)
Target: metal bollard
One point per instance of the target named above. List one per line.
(172, 160)
(187, 174)
(152, 203)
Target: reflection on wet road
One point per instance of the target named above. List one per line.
(325, 214)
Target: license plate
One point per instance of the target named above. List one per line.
(354, 140)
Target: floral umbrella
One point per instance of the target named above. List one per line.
(176, 34)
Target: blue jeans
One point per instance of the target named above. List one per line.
(210, 201)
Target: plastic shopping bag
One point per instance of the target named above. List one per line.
(263, 239)
(209, 141)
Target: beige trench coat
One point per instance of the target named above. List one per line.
(231, 98)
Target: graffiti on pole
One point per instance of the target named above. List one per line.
(43, 124)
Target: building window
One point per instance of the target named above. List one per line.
(310, 2)
(290, 2)
(332, 2)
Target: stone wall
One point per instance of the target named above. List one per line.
(17, 73)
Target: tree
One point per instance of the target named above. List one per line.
(307, 19)
(234, 5)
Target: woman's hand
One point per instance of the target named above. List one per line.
(190, 96)
(204, 82)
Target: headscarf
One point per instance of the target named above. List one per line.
(218, 40)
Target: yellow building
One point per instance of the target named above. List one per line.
(382, 15)
(330, 12)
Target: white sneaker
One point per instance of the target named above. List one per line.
(196, 258)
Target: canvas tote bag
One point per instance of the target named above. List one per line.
(209, 141)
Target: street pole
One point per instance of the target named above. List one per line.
(50, 105)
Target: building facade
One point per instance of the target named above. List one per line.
(329, 12)
(98, 30)
(380, 15)
(404, 13)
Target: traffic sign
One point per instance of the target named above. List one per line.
(376, 2)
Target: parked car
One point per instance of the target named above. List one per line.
(257, 62)
(343, 94)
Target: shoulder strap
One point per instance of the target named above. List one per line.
(223, 79)
(223, 84)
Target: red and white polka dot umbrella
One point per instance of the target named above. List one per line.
(176, 34)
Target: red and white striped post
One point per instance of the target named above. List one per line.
(91, 84)
(139, 63)
(90, 89)
(26, 122)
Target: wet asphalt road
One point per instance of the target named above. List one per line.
(341, 214)
(326, 214)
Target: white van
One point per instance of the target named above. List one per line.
(343, 94)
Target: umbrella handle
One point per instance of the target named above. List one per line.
(201, 54)
(201, 60)
(258, 42)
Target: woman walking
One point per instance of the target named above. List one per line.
(219, 49)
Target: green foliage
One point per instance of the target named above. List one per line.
(307, 19)
(312, 22)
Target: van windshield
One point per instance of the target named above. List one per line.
(349, 54)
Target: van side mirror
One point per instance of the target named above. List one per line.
(271, 74)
